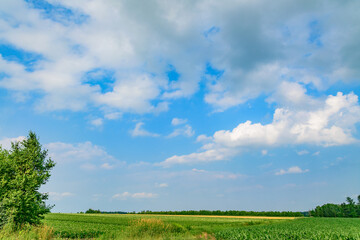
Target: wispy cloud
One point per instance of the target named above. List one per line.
(302, 152)
(58, 196)
(107, 166)
(86, 154)
(161, 185)
(182, 129)
(140, 195)
(98, 122)
(139, 131)
(178, 121)
(186, 131)
(291, 170)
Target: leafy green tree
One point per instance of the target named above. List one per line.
(23, 170)
(92, 211)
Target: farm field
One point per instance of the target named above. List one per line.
(132, 226)
(100, 226)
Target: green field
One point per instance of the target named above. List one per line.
(104, 226)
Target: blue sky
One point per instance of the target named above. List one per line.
(168, 105)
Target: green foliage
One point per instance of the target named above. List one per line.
(92, 211)
(348, 209)
(228, 213)
(23, 170)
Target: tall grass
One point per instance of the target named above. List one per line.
(153, 228)
(27, 232)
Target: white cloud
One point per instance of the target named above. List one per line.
(330, 124)
(302, 152)
(293, 95)
(316, 153)
(138, 131)
(217, 174)
(205, 156)
(86, 154)
(203, 138)
(107, 166)
(291, 170)
(97, 122)
(264, 152)
(132, 94)
(161, 185)
(6, 142)
(113, 115)
(137, 49)
(186, 131)
(230, 176)
(178, 121)
(141, 195)
(58, 196)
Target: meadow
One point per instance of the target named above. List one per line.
(133, 226)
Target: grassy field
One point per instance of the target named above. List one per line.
(143, 226)
(103, 226)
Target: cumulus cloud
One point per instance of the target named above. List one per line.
(291, 170)
(109, 54)
(331, 124)
(138, 131)
(293, 95)
(141, 195)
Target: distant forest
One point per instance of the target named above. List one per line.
(228, 213)
(346, 209)
(349, 209)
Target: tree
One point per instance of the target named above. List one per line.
(92, 211)
(23, 170)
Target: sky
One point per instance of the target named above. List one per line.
(179, 105)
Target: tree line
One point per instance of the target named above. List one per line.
(227, 213)
(93, 211)
(346, 209)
